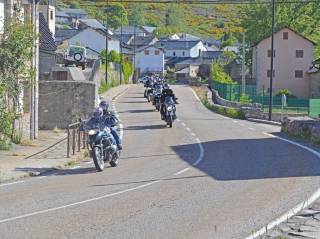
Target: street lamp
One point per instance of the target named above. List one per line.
(272, 59)
(107, 43)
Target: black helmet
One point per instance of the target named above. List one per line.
(97, 113)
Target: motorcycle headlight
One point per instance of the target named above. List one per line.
(92, 132)
(169, 108)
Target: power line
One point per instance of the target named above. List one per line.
(237, 2)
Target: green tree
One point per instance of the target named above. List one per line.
(15, 73)
(114, 56)
(74, 5)
(117, 14)
(218, 74)
(300, 16)
(174, 16)
(136, 16)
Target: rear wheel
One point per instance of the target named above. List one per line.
(98, 159)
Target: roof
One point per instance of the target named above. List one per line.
(211, 54)
(64, 34)
(71, 11)
(93, 23)
(46, 40)
(61, 14)
(130, 30)
(146, 47)
(299, 34)
(176, 44)
(212, 41)
(189, 37)
(125, 38)
(142, 41)
(149, 29)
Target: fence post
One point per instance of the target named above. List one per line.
(79, 139)
(68, 143)
(73, 141)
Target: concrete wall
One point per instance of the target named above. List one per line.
(47, 61)
(314, 87)
(151, 62)
(94, 40)
(64, 102)
(285, 63)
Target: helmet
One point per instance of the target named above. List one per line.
(166, 86)
(97, 113)
(104, 105)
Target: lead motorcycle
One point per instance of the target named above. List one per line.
(102, 144)
(170, 110)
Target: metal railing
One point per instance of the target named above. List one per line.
(76, 139)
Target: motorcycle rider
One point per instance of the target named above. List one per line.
(167, 92)
(111, 120)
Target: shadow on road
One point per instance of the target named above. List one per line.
(138, 111)
(245, 159)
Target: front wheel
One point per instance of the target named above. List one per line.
(98, 159)
(169, 120)
(115, 161)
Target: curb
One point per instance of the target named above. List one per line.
(264, 121)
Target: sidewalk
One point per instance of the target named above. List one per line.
(44, 154)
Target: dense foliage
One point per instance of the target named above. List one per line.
(218, 74)
(15, 73)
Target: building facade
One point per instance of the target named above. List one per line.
(293, 56)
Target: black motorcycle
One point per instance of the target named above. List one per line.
(170, 110)
(103, 147)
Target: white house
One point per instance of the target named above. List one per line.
(149, 59)
(180, 48)
(95, 40)
(49, 13)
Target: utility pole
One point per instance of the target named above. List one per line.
(107, 43)
(272, 59)
(34, 97)
(134, 52)
(121, 37)
(243, 80)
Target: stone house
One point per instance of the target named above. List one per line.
(293, 56)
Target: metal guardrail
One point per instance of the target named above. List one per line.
(76, 139)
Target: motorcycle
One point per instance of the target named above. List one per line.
(103, 147)
(170, 111)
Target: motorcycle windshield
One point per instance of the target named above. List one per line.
(94, 124)
(168, 100)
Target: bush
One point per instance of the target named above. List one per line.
(218, 74)
(286, 92)
(245, 99)
(229, 112)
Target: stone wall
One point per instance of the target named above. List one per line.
(64, 102)
(302, 127)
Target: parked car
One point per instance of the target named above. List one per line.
(76, 55)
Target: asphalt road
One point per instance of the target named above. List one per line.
(207, 177)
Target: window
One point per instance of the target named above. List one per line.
(51, 15)
(299, 53)
(183, 53)
(174, 53)
(146, 52)
(298, 74)
(269, 73)
(269, 53)
(285, 35)
(157, 52)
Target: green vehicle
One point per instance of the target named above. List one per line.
(76, 55)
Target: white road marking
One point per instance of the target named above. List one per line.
(251, 129)
(235, 121)
(8, 184)
(183, 124)
(178, 120)
(193, 134)
(188, 129)
(195, 94)
(41, 177)
(182, 171)
(78, 203)
(242, 125)
(225, 117)
(121, 131)
(201, 152)
(76, 167)
(90, 162)
(303, 205)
